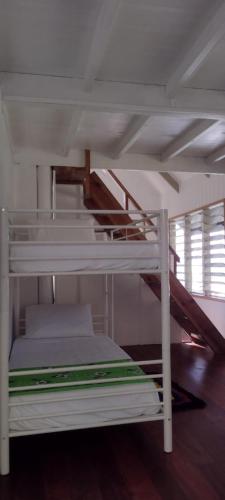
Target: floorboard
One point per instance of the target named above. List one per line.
(128, 463)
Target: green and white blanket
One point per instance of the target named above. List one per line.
(41, 380)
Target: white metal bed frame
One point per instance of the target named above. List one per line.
(161, 232)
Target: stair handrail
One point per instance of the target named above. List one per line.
(129, 197)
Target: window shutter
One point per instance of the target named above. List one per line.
(214, 250)
(199, 240)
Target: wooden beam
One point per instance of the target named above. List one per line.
(217, 155)
(87, 166)
(103, 30)
(135, 99)
(72, 130)
(153, 164)
(173, 183)
(87, 160)
(209, 33)
(184, 140)
(130, 136)
(28, 157)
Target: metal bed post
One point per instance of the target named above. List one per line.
(53, 200)
(16, 297)
(112, 307)
(165, 324)
(106, 311)
(4, 347)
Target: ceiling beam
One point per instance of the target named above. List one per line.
(29, 157)
(130, 136)
(184, 140)
(101, 37)
(72, 131)
(216, 156)
(173, 183)
(209, 33)
(152, 163)
(114, 97)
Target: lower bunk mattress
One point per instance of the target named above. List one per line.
(86, 405)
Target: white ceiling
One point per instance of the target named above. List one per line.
(143, 44)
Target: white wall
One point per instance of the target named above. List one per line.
(215, 309)
(139, 186)
(6, 162)
(195, 192)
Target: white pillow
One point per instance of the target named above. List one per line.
(58, 320)
(77, 233)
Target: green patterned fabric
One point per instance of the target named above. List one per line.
(75, 376)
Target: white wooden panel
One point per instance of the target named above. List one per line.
(205, 37)
(98, 131)
(107, 17)
(54, 37)
(212, 73)
(38, 126)
(49, 37)
(147, 39)
(211, 140)
(187, 138)
(159, 133)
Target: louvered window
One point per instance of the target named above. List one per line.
(199, 240)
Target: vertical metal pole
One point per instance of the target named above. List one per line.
(4, 347)
(106, 315)
(165, 319)
(112, 307)
(44, 201)
(53, 217)
(16, 296)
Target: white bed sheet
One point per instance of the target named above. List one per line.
(52, 352)
(113, 256)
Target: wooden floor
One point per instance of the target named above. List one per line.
(127, 463)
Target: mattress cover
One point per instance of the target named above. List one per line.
(94, 256)
(60, 352)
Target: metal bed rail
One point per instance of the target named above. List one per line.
(119, 391)
(133, 234)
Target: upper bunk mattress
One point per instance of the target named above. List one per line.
(136, 256)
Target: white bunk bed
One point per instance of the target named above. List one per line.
(56, 382)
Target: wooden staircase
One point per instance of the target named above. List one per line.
(184, 308)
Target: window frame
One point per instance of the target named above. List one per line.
(202, 208)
